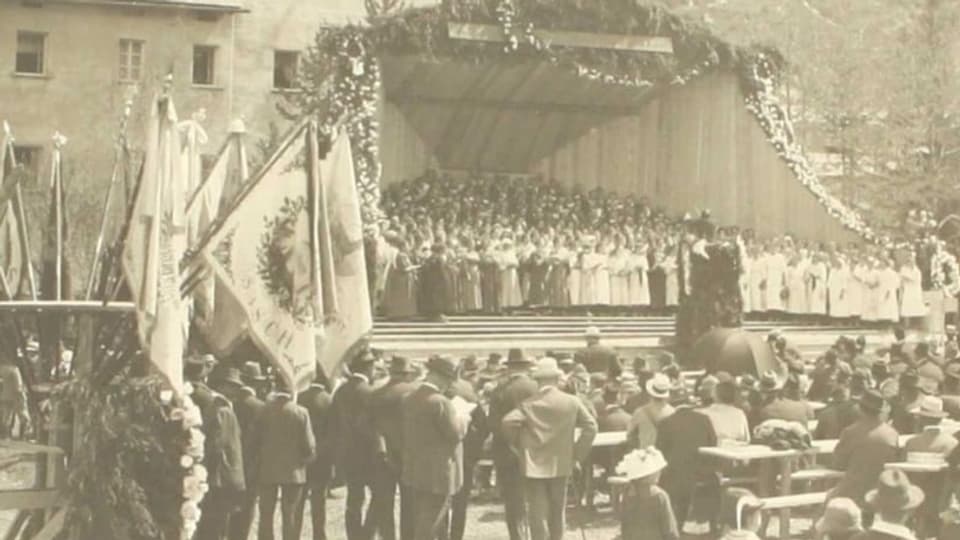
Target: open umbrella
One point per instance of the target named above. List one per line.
(735, 351)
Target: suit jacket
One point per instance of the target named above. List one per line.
(679, 437)
(789, 410)
(284, 441)
(862, 451)
(613, 418)
(598, 359)
(543, 431)
(316, 400)
(387, 412)
(357, 443)
(247, 407)
(834, 418)
(510, 393)
(432, 433)
(222, 452)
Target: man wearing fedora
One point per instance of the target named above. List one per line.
(317, 401)
(252, 375)
(542, 431)
(514, 389)
(893, 502)
(864, 448)
(223, 453)
(228, 381)
(357, 445)
(285, 445)
(433, 428)
(931, 440)
(386, 411)
(597, 358)
(642, 429)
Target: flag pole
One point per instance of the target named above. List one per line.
(120, 153)
(57, 176)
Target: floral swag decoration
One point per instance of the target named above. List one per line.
(343, 77)
(944, 270)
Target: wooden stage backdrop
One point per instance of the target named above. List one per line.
(690, 147)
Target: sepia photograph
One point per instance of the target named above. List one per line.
(479, 269)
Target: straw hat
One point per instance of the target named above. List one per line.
(840, 515)
(592, 332)
(929, 407)
(894, 493)
(641, 464)
(659, 386)
(547, 368)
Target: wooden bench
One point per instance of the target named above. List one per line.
(813, 475)
(794, 501)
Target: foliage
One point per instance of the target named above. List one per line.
(125, 479)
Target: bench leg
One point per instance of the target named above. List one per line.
(786, 469)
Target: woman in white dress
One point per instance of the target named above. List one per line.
(669, 265)
(602, 274)
(758, 275)
(889, 285)
(576, 264)
(619, 267)
(871, 291)
(797, 286)
(639, 287)
(744, 282)
(776, 280)
(817, 286)
(837, 284)
(856, 287)
(912, 306)
(507, 261)
(588, 274)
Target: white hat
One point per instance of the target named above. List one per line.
(930, 407)
(641, 463)
(592, 331)
(546, 368)
(659, 386)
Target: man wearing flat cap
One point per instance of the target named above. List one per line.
(386, 410)
(357, 445)
(433, 429)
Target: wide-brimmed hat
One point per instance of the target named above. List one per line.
(641, 463)
(546, 368)
(929, 407)
(196, 367)
(769, 382)
(659, 386)
(894, 493)
(515, 357)
(840, 515)
(443, 365)
(252, 371)
(401, 365)
(226, 374)
(872, 402)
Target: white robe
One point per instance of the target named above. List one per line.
(871, 294)
(601, 282)
(817, 288)
(574, 279)
(837, 285)
(776, 270)
(638, 284)
(911, 297)
(856, 290)
(672, 284)
(758, 273)
(619, 265)
(797, 301)
(888, 306)
(745, 296)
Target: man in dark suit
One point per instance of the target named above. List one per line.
(513, 390)
(285, 446)
(247, 406)
(597, 358)
(776, 405)
(433, 428)
(223, 453)
(386, 412)
(680, 437)
(357, 444)
(316, 400)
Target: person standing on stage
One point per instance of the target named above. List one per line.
(433, 428)
(542, 431)
(595, 357)
(386, 412)
(316, 400)
(513, 390)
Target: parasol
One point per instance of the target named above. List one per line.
(735, 351)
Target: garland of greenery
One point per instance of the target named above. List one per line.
(341, 79)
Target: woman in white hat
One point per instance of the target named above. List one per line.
(645, 513)
(841, 520)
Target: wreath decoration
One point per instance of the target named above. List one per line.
(272, 258)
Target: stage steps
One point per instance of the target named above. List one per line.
(631, 336)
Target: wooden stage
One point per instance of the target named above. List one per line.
(482, 335)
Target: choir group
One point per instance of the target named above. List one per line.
(491, 244)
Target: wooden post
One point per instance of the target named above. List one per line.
(82, 366)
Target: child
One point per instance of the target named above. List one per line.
(645, 513)
(740, 515)
(840, 521)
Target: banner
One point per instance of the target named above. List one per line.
(14, 258)
(155, 244)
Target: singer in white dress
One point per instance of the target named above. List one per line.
(776, 280)
(758, 276)
(619, 264)
(602, 275)
(911, 298)
(639, 287)
(575, 278)
(837, 284)
(817, 285)
(856, 288)
(797, 302)
(888, 305)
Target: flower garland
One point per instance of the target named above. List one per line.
(945, 271)
(763, 102)
(194, 473)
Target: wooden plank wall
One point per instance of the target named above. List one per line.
(695, 147)
(403, 152)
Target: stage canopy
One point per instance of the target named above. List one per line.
(617, 95)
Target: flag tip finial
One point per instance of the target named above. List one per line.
(59, 140)
(238, 126)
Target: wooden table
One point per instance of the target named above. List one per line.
(610, 439)
(912, 467)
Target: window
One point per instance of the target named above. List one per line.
(204, 64)
(131, 59)
(28, 158)
(30, 52)
(286, 64)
